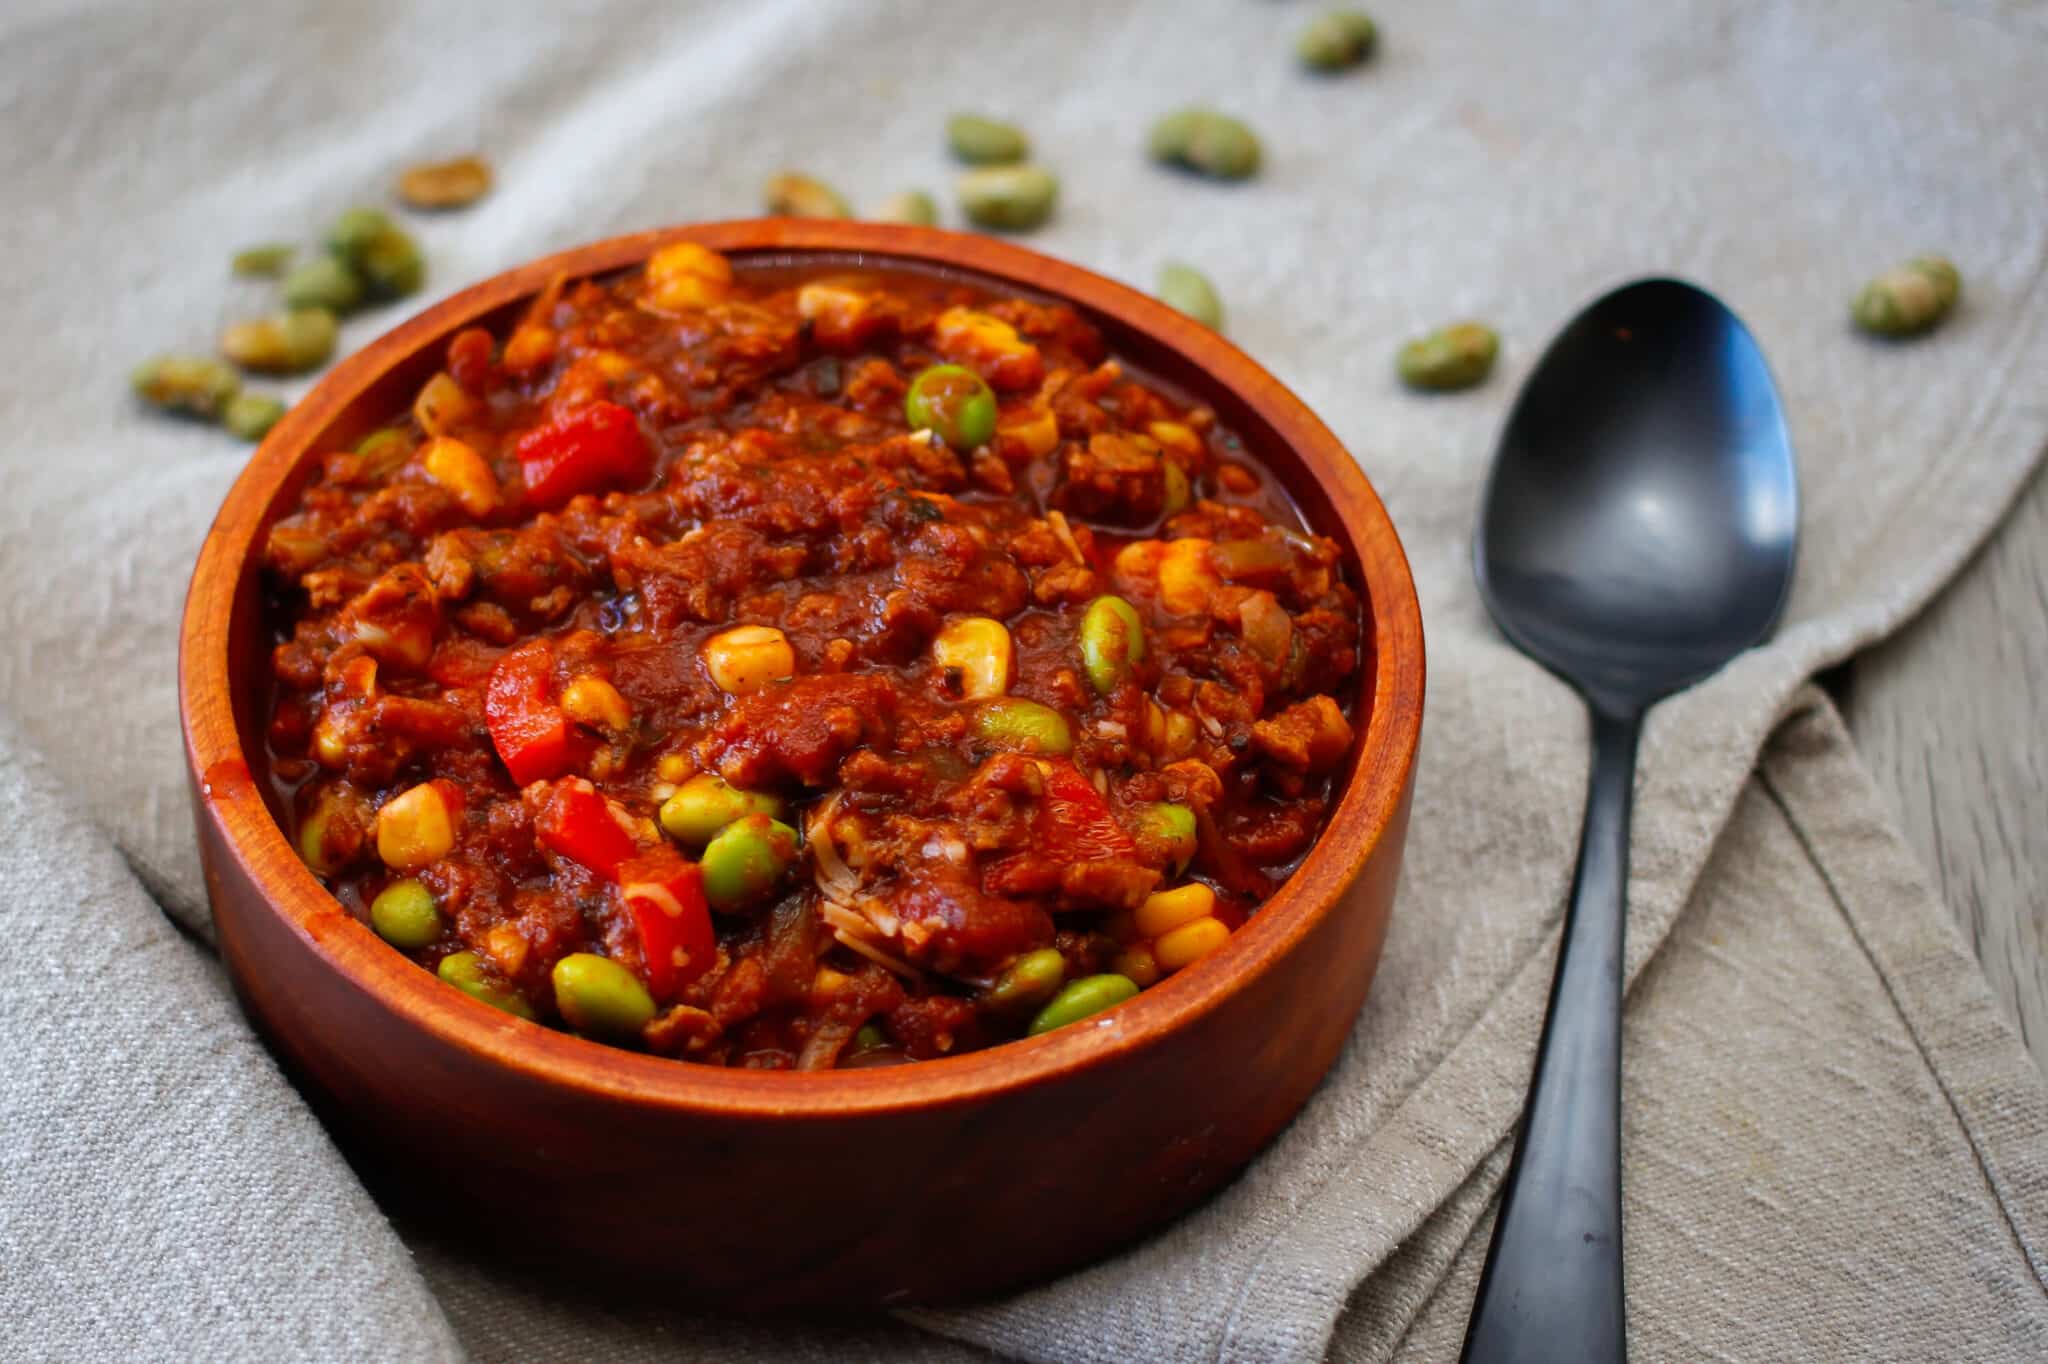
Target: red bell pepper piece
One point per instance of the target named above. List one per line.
(469, 359)
(665, 896)
(1074, 823)
(578, 823)
(594, 447)
(663, 892)
(533, 737)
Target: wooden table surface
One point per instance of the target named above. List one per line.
(1948, 716)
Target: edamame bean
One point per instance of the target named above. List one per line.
(1112, 638)
(465, 971)
(251, 415)
(1179, 491)
(1908, 299)
(446, 184)
(1023, 726)
(953, 401)
(314, 849)
(404, 914)
(381, 253)
(799, 196)
(1081, 998)
(1206, 142)
(745, 860)
(391, 264)
(912, 206)
(1222, 148)
(355, 229)
(1189, 290)
(865, 1054)
(324, 282)
(983, 141)
(288, 344)
(704, 804)
(1028, 981)
(1008, 198)
(1168, 139)
(196, 385)
(262, 262)
(1457, 356)
(1172, 825)
(1337, 39)
(383, 451)
(599, 997)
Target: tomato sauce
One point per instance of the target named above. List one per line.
(684, 670)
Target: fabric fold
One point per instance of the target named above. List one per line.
(1878, 1199)
(167, 1195)
(1505, 162)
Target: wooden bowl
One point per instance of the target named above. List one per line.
(937, 1181)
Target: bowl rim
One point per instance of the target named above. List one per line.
(226, 793)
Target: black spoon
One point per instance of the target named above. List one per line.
(1637, 532)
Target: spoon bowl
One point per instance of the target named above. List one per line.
(1637, 532)
(1639, 526)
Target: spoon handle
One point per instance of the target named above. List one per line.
(1551, 1289)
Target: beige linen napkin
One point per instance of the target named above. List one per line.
(166, 1194)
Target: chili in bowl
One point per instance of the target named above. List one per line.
(802, 667)
(875, 654)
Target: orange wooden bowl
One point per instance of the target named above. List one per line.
(937, 1181)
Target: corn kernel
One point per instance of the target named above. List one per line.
(687, 275)
(1166, 910)
(1138, 965)
(330, 745)
(675, 767)
(441, 404)
(358, 679)
(595, 702)
(397, 617)
(507, 948)
(816, 299)
(531, 347)
(979, 648)
(1180, 735)
(1186, 581)
(966, 327)
(838, 315)
(322, 846)
(1037, 433)
(988, 345)
(613, 365)
(747, 658)
(1177, 570)
(408, 645)
(827, 983)
(462, 471)
(1175, 436)
(415, 828)
(1137, 564)
(1189, 943)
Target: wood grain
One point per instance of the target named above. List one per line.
(749, 1189)
(1948, 714)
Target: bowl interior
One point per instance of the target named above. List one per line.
(225, 648)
